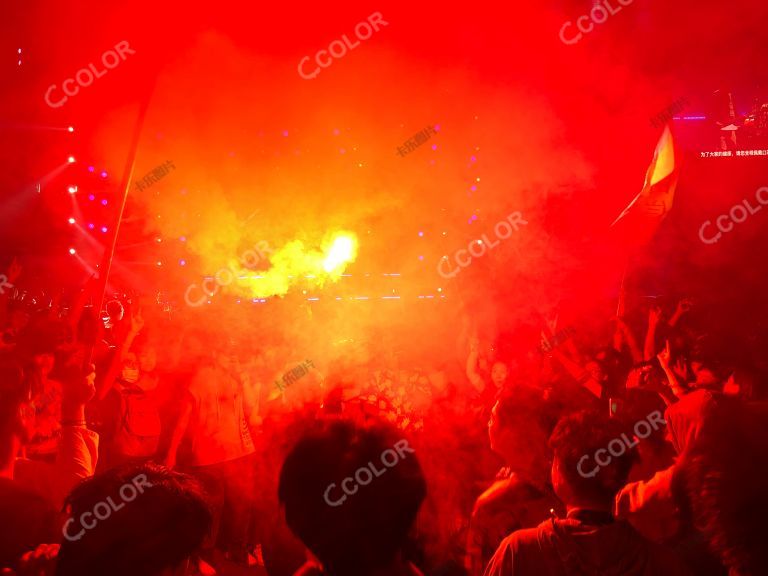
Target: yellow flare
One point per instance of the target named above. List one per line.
(342, 250)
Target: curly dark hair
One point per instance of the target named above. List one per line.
(163, 524)
(583, 434)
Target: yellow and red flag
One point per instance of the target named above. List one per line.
(639, 221)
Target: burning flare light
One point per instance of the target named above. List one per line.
(294, 263)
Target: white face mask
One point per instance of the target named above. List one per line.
(130, 375)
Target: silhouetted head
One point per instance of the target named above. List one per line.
(133, 520)
(351, 494)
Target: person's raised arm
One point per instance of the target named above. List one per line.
(682, 309)
(649, 347)
(137, 323)
(665, 359)
(472, 373)
(579, 373)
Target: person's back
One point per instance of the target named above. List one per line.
(590, 541)
(28, 520)
(573, 546)
(521, 496)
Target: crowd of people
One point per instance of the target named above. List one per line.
(132, 447)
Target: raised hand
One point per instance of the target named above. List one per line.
(654, 315)
(665, 357)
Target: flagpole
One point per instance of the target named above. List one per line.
(621, 304)
(109, 253)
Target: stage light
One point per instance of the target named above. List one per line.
(421, 233)
(159, 263)
(72, 251)
(91, 169)
(104, 229)
(182, 239)
(71, 129)
(104, 202)
(71, 220)
(72, 189)
(91, 226)
(182, 262)
(71, 159)
(158, 240)
(103, 174)
(91, 197)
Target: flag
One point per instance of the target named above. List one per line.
(639, 221)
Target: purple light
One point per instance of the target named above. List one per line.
(91, 169)
(421, 233)
(103, 174)
(183, 239)
(285, 133)
(182, 262)
(91, 197)
(104, 229)
(104, 202)
(90, 226)
(421, 257)
(473, 188)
